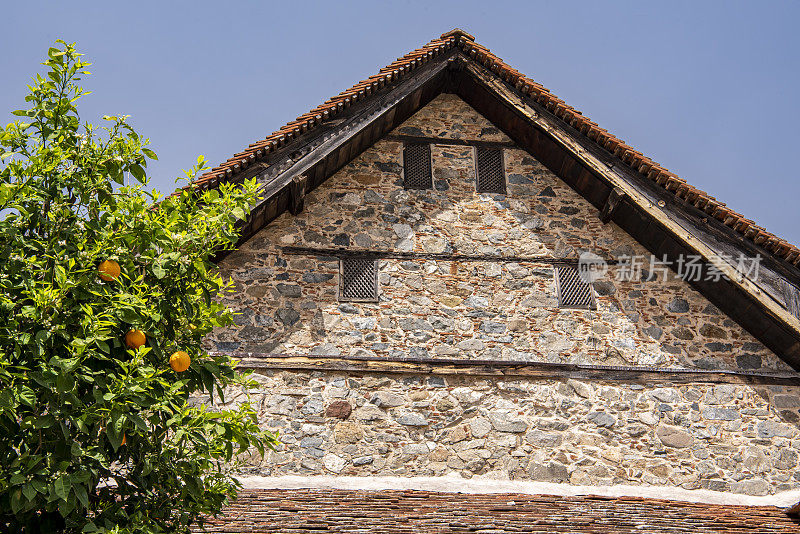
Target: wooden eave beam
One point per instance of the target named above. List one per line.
(297, 193)
(614, 198)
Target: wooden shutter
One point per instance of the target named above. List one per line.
(358, 279)
(573, 291)
(489, 167)
(417, 166)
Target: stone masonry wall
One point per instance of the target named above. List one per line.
(719, 437)
(487, 310)
(723, 437)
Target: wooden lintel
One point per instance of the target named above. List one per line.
(507, 369)
(613, 200)
(455, 142)
(429, 256)
(297, 193)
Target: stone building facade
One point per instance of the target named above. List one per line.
(466, 365)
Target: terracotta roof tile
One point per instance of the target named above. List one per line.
(395, 511)
(395, 71)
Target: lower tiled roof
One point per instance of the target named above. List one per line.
(407, 511)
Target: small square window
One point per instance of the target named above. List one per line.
(491, 176)
(417, 166)
(358, 279)
(573, 291)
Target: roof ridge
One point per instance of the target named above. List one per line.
(405, 64)
(458, 32)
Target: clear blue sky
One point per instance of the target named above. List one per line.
(707, 89)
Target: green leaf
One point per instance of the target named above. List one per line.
(80, 493)
(114, 437)
(29, 491)
(39, 485)
(128, 315)
(61, 487)
(158, 270)
(65, 382)
(118, 420)
(138, 172)
(6, 399)
(44, 421)
(16, 500)
(27, 396)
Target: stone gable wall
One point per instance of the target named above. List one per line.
(728, 437)
(486, 310)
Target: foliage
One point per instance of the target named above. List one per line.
(95, 437)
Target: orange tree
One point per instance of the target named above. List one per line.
(106, 292)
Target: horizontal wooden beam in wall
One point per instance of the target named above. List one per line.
(395, 255)
(508, 369)
(456, 142)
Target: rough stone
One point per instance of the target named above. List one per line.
(771, 429)
(480, 427)
(289, 290)
(347, 432)
(756, 487)
(748, 361)
(288, 316)
(385, 399)
(312, 406)
(602, 419)
(411, 419)
(672, 436)
(678, 305)
(713, 331)
(720, 414)
(334, 463)
(581, 388)
(552, 472)
(541, 439)
(504, 423)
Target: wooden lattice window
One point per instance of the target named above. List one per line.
(417, 166)
(573, 291)
(491, 176)
(358, 279)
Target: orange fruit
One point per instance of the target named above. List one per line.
(124, 439)
(109, 270)
(134, 339)
(179, 361)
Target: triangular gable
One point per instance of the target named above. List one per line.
(659, 209)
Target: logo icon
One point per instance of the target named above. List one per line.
(591, 267)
